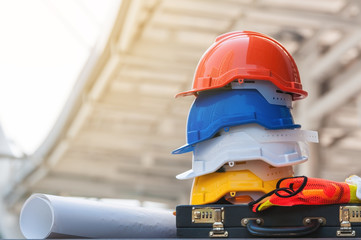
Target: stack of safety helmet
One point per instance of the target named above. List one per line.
(240, 128)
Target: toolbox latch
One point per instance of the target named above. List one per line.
(345, 224)
(218, 228)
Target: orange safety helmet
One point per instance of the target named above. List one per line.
(246, 55)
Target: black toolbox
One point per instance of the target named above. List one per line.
(238, 221)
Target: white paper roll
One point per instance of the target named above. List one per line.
(48, 216)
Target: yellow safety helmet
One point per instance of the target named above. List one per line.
(235, 186)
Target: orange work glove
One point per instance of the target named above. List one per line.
(306, 191)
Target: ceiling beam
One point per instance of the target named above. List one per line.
(130, 24)
(335, 98)
(331, 59)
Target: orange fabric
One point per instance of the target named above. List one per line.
(304, 191)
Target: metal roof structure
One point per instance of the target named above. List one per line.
(116, 132)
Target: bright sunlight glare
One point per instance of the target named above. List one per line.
(43, 46)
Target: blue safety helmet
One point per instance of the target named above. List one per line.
(213, 110)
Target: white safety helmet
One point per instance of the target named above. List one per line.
(249, 142)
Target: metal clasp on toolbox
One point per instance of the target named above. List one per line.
(348, 214)
(211, 215)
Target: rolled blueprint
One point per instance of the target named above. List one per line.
(48, 216)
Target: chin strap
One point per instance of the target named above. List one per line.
(302, 190)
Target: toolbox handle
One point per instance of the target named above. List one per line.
(257, 230)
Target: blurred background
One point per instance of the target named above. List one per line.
(87, 91)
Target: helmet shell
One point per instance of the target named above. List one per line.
(246, 55)
(249, 143)
(212, 187)
(213, 110)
